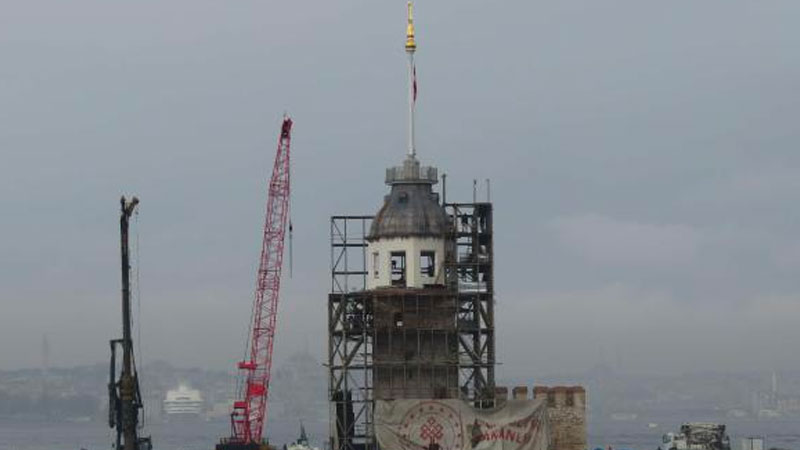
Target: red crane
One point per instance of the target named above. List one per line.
(250, 409)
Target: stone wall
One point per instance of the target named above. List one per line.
(566, 412)
(415, 345)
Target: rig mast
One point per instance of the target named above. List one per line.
(250, 411)
(125, 398)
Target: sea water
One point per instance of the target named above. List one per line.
(634, 435)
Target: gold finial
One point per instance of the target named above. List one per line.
(411, 45)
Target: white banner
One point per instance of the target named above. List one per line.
(455, 425)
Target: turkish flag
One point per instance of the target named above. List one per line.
(415, 83)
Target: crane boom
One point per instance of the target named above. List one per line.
(250, 409)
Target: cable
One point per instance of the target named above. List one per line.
(138, 293)
(291, 229)
(138, 303)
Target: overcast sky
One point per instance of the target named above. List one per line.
(643, 156)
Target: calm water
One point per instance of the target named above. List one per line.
(96, 436)
(202, 436)
(638, 435)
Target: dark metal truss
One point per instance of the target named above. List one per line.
(469, 272)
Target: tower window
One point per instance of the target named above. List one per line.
(427, 263)
(398, 269)
(376, 264)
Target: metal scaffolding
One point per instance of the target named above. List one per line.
(350, 337)
(469, 266)
(389, 343)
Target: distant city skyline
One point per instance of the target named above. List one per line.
(643, 160)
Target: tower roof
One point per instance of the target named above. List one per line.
(409, 210)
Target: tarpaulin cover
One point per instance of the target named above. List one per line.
(455, 425)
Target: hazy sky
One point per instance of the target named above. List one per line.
(643, 155)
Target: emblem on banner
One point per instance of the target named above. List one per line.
(432, 425)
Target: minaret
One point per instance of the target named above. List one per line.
(411, 47)
(774, 390)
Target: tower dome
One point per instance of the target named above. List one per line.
(406, 239)
(411, 209)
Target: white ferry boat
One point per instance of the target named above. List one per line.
(183, 402)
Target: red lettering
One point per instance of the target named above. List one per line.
(504, 434)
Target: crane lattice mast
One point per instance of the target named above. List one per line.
(250, 409)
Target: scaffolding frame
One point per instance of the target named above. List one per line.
(354, 333)
(469, 271)
(349, 338)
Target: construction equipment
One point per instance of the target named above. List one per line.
(697, 436)
(125, 398)
(249, 413)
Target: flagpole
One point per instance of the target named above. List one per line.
(412, 151)
(411, 47)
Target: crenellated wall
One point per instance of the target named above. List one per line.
(566, 412)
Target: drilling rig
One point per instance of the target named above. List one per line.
(249, 413)
(125, 398)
